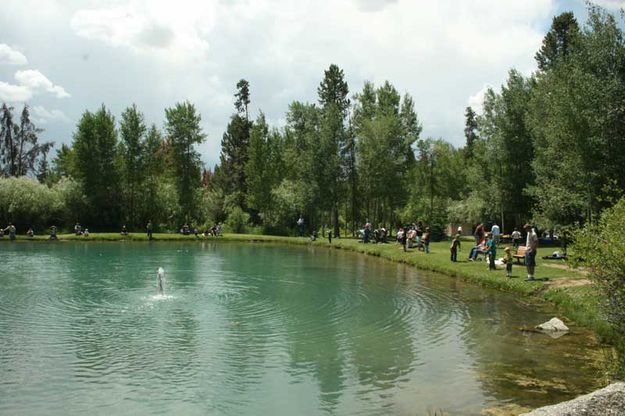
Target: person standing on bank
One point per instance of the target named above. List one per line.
(530, 252)
(455, 245)
(479, 233)
(496, 231)
(516, 238)
(149, 230)
(425, 238)
(300, 226)
(492, 251)
(508, 260)
(11, 231)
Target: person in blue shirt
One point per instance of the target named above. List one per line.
(492, 251)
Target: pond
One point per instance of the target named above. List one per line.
(250, 329)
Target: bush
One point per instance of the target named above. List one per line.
(25, 202)
(237, 220)
(601, 247)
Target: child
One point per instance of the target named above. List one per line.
(492, 252)
(455, 245)
(425, 238)
(508, 261)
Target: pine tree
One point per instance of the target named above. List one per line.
(234, 146)
(470, 132)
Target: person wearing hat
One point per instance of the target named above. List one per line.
(508, 261)
(530, 252)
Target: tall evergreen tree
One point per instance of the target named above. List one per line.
(242, 98)
(470, 132)
(183, 133)
(559, 41)
(234, 144)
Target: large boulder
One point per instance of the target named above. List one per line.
(553, 325)
(609, 401)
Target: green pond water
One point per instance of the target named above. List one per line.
(248, 329)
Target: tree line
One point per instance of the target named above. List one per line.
(548, 147)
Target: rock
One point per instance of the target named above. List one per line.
(609, 401)
(554, 325)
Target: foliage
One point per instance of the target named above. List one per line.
(576, 114)
(29, 203)
(183, 133)
(19, 147)
(237, 220)
(600, 247)
(132, 134)
(95, 148)
(559, 41)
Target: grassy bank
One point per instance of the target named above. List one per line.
(566, 288)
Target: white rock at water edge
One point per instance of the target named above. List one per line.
(554, 324)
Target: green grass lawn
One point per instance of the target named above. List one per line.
(566, 288)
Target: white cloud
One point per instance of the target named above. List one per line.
(610, 4)
(37, 82)
(149, 26)
(30, 83)
(42, 115)
(158, 52)
(14, 93)
(10, 56)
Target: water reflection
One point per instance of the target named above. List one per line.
(251, 329)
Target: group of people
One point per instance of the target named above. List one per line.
(486, 244)
(12, 232)
(78, 230)
(414, 235)
(214, 231)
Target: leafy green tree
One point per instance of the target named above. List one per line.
(600, 246)
(333, 98)
(301, 157)
(436, 181)
(576, 115)
(64, 164)
(386, 129)
(132, 134)
(183, 133)
(95, 145)
(510, 150)
(155, 172)
(264, 167)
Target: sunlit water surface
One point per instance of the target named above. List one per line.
(266, 330)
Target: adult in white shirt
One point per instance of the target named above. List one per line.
(516, 238)
(530, 252)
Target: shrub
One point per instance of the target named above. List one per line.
(237, 220)
(601, 247)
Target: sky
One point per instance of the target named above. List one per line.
(62, 57)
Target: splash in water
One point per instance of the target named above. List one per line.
(161, 278)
